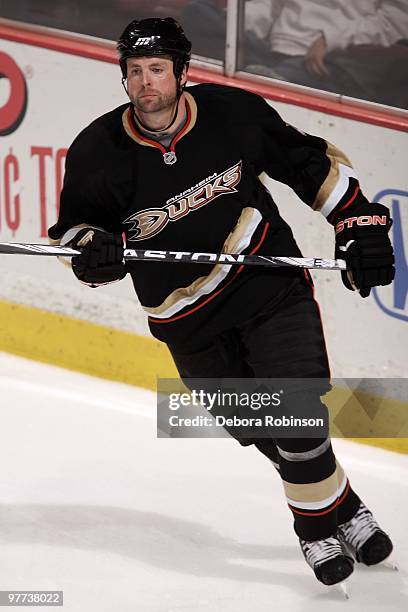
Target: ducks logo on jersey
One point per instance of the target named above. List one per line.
(151, 221)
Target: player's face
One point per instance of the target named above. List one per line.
(151, 83)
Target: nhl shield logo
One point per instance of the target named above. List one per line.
(170, 158)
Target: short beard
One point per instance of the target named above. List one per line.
(161, 103)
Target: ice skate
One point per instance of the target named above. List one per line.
(363, 538)
(328, 559)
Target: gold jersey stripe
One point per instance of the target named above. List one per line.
(230, 246)
(336, 157)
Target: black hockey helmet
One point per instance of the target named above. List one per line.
(155, 37)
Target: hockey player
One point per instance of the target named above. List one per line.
(177, 169)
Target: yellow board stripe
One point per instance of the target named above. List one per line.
(361, 412)
(121, 356)
(83, 346)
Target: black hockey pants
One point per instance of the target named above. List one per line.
(284, 340)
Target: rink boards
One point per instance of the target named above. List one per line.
(47, 315)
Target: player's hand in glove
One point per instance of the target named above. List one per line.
(101, 260)
(362, 240)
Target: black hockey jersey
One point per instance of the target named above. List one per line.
(210, 199)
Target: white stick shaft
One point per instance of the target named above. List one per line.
(316, 263)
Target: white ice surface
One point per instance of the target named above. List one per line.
(92, 503)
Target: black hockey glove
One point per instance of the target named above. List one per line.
(362, 240)
(101, 260)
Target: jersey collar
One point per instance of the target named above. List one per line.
(132, 130)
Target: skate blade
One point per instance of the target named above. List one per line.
(390, 564)
(342, 588)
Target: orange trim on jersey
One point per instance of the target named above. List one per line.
(332, 507)
(213, 295)
(181, 133)
(132, 130)
(139, 136)
(258, 246)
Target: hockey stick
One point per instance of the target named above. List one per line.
(18, 248)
